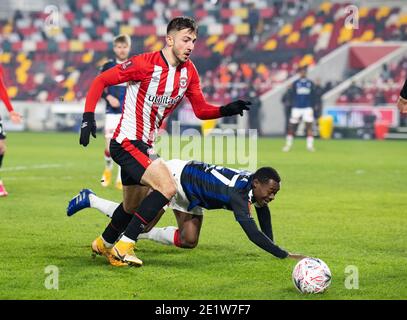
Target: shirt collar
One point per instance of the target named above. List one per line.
(251, 197)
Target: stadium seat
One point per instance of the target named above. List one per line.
(84, 38)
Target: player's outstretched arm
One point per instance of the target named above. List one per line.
(88, 127)
(110, 98)
(203, 110)
(296, 256)
(120, 73)
(264, 216)
(3, 94)
(261, 240)
(234, 108)
(14, 116)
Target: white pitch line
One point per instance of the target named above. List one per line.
(38, 178)
(35, 167)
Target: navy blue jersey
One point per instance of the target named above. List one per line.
(118, 91)
(302, 93)
(216, 187)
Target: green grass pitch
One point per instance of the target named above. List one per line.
(345, 203)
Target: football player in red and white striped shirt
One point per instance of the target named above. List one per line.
(157, 82)
(14, 116)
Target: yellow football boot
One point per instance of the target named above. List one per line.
(99, 248)
(124, 252)
(106, 178)
(119, 185)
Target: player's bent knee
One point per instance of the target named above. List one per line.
(171, 189)
(159, 178)
(189, 243)
(129, 206)
(167, 188)
(129, 209)
(2, 149)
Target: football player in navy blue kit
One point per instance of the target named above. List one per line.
(201, 185)
(114, 96)
(302, 109)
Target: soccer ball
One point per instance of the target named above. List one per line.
(311, 275)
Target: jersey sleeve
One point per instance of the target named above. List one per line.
(240, 205)
(261, 240)
(264, 217)
(3, 93)
(202, 109)
(241, 209)
(130, 70)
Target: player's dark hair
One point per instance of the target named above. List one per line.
(264, 174)
(181, 23)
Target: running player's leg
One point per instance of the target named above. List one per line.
(144, 167)
(3, 191)
(189, 228)
(186, 235)
(120, 218)
(123, 213)
(292, 129)
(111, 122)
(107, 172)
(310, 136)
(86, 198)
(2, 149)
(309, 121)
(158, 177)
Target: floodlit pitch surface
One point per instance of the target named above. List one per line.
(345, 203)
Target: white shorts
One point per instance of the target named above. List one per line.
(307, 115)
(111, 122)
(180, 201)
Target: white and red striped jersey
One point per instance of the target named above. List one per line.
(154, 90)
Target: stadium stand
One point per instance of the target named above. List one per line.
(241, 42)
(384, 89)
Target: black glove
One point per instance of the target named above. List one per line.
(235, 107)
(88, 127)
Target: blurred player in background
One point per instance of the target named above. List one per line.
(302, 109)
(114, 97)
(157, 82)
(201, 185)
(14, 116)
(402, 102)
